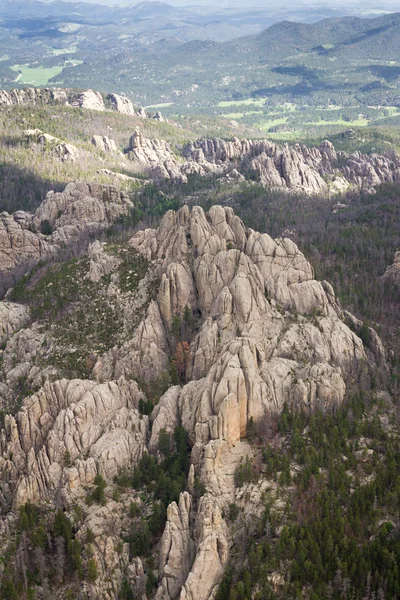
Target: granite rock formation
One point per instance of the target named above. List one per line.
(66, 218)
(265, 333)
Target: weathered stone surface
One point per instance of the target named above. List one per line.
(137, 577)
(33, 96)
(89, 99)
(92, 101)
(177, 549)
(19, 357)
(81, 209)
(99, 427)
(144, 356)
(298, 168)
(20, 249)
(157, 156)
(392, 273)
(119, 177)
(83, 204)
(12, 317)
(101, 263)
(104, 143)
(247, 358)
(375, 346)
(165, 416)
(212, 552)
(66, 152)
(121, 104)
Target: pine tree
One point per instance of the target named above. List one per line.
(91, 570)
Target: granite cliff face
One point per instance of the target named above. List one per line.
(264, 333)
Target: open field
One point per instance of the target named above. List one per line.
(69, 50)
(36, 75)
(247, 102)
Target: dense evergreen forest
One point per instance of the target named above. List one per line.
(337, 535)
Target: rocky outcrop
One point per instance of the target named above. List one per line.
(97, 426)
(145, 356)
(248, 358)
(33, 96)
(61, 150)
(104, 143)
(101, 263)
(19, 369)
(20, 250)
(66, 152)
(81, 209)
(121, 104)
(177, 549)
(212, 551)
(70, 216)
(12, 317)
(298, 168)
(120, 177)
(291, 168)
(141, 112)
(392, 273)
(91, 101)
(368, 171)
(157, 156)
(88, 100)
(265, 334)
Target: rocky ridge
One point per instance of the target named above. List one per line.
(298, 168)
(64, 219)
(265, 333)
(88, 99)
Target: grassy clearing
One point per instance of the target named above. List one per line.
(355, 123)
(248, 102)
(70, 50)
(240, 115)
(285, 136)
(265, 125)
(162, 105)
(36, 75)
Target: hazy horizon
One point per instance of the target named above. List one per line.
(349, 6)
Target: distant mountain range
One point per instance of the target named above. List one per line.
(192, 57)
(219, 23)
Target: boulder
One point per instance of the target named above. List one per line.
(91, 100)
(121, 104)
(104, 143)
(392, 273)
